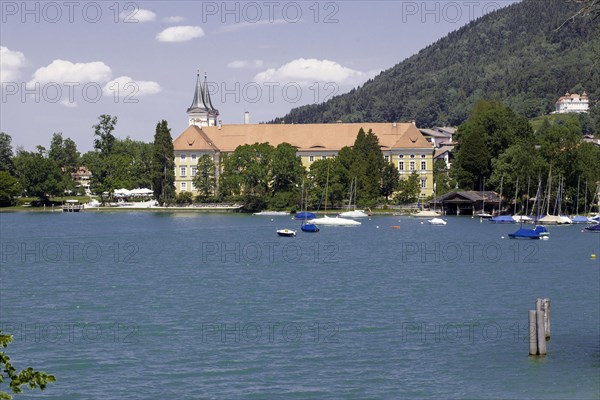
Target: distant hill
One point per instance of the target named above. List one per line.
(515, 54)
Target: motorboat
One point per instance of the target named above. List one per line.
(271, 213)
(437, 221)
(336, 221)
(593, 228)
(426, 214)
(354, 214)
(503, 219)
(524, 233)
(286, 232)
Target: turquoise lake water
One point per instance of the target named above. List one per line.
(185, 306)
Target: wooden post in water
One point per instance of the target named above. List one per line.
(532, 333)
(541, 334)
(546, 308)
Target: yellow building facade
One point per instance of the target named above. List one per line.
(402, 144)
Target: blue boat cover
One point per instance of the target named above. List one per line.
(525, 233)
(580, 218)
(310, 228)
(503, 219)
(594, 228)
(305, 215)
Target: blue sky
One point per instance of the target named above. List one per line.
(65, 63)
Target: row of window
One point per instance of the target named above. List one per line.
(312, 158)
(183, 171)
(183, 185)
(412, 166)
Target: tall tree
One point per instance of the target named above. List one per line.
(408, 189)
(38, 175)
(164, 164)
(103, 137)
(9, 188)
(390, 180)
(6, 153)
(205, 181)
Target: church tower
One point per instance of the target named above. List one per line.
(202, 112)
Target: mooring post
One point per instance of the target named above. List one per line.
(546, 308)
(541, 335)
(532, 333)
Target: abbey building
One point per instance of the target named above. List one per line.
(402, 144)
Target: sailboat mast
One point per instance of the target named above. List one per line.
(527, 204)
(577, 204)
(516, 194)
(500, 199)
(549, 188)
(326, 186)
(585, 198)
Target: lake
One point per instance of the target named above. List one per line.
(143, 305)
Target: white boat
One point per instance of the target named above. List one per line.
(437, 221)
(522, 218)
(484, 215)
(271, 213)
(337, 221)
(426, 214)
(354, 214)
(554, 220)
(286, 232)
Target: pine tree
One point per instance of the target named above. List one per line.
(164, 164)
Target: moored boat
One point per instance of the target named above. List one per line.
(337, 221)
(503, 219)
(524, 233)
(437, 221)
(286, 232)
(593, 228)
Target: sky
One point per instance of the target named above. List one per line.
(64, 63)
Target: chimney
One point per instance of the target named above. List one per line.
(219, 124)
(246, 118)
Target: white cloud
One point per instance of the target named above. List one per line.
(174, 19)
(308, 71)
(61, 71)
(246, 24)
(180, 34)
(10, 64)
(138, 15)
(67, 103)
(126, 87)
(245, 64)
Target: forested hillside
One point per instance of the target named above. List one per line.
(520, 55)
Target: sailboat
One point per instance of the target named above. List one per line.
(306, 226)
(352, 203)
(483, 214)
(550, 219)
(337, 221)
(502, 219)
(580, 219)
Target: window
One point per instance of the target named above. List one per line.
(423, 165)
(423, 155)
(401, 165)
(193, 156)
(423, 183)
(182, 156)
(412, 156)
(311, 158)
(386, 158)
(400, 155)
(183, 186)
(182, 171)
(323, 157)
(412, 166)
(194, 169)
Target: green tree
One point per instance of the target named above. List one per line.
(164, 164)
(287, 169)
(103, 137)
(33, 379)
(38, 175)
(205, 181)
(441, 177)
(390, 180)
(64, 152)
(367, 166)
(408, 190)
(9, 189)
(6, 153)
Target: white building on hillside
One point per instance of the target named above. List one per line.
(572, 103)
